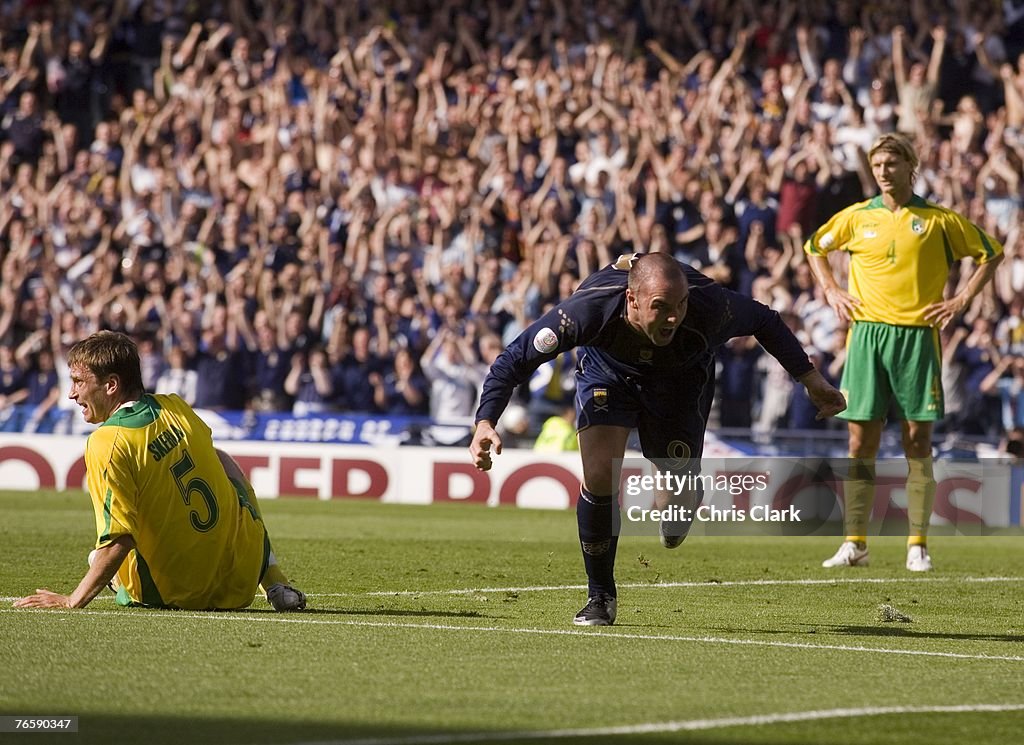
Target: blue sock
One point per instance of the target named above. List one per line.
(598, 520)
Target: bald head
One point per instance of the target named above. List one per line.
(656, 267)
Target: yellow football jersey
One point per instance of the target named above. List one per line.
(153, 474)
(899, 261)
(556, 436)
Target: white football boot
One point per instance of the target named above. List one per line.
(918, 559)
(848, 555)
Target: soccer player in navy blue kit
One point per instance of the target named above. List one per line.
(647, 328)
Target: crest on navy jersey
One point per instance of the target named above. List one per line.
(626, 261)
(601, 399)
(545, 341)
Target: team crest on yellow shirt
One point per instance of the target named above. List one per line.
(917, 225)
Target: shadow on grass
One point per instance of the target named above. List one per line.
(166, 730)
(900, 630)
(894, 630)
(421, 613)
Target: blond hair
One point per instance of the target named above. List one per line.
(899, 145)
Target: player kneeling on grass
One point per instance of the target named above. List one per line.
(178, 523)
(647, 328)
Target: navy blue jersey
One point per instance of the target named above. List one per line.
(594, 317)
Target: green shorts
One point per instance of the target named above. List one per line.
(893, 370)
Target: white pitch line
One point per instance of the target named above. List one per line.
(727, 583)
(686, 725)
(635, 585)
(297, 619)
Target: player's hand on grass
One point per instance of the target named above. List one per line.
(484, 438)
(44, 599)
(842, 302)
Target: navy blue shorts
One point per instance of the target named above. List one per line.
(669, 413)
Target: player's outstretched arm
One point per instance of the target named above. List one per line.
(103, 568)
(826, 398)
(484, 438)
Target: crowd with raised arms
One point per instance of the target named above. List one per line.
(353, 207)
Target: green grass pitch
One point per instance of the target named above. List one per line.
(453, 624)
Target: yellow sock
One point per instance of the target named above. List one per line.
(858, 498)
(920, 498)
(272, 576)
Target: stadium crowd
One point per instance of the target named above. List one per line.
(350, 207)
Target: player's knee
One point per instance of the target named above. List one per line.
(599, 482)
(917, 439)
(865, 438)
(917, 446)
(862, 447)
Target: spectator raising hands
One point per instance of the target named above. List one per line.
(243, 189)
